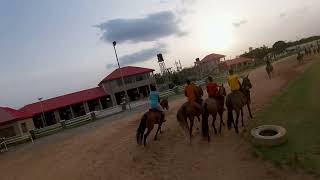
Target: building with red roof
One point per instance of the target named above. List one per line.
(110, 92)
(209, 64)
(238, 63)
(14, 122)
(137, 81)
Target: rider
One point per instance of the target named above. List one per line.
(234, 81)
(212, 88)
(190, 92)
(154, 101)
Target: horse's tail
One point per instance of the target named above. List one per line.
(181, 117)
(141, 128)
(205, 117)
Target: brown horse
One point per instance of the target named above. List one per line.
(148, 120)
(213, 106)
(189, 110)
(235, 101)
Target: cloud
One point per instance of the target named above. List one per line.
(239, 23)
(150, 28)
(188, 1)
(140, 56)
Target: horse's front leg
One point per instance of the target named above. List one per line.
(249, 109)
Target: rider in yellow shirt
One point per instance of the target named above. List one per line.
(233, 81)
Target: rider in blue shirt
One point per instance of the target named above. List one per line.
(154, 101)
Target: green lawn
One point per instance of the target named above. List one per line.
(298, 110)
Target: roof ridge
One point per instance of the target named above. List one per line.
(61, 96)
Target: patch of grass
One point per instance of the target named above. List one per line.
(296, 109)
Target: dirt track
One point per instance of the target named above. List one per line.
(110, 151)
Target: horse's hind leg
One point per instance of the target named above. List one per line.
(191, 126)
(214, 117)
(241, 111)
(249, 109)
(236, 123)
(159, 129)
(145, 137)
(221, 122)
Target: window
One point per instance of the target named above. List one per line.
(7, 132)
(140, 77)
(128, 80)
(119, 82)
(24, 127)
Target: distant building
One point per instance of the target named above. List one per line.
(14, 123)
(210, 63)
(109, 92)
(236, 64)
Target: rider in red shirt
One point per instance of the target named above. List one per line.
(212, 88)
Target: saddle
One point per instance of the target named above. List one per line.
(153, 110)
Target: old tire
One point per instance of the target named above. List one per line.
(269, 135)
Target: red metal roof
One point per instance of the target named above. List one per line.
(238, 60)
(11, 115)
(126, 71)
(65, 100)
(212, 57)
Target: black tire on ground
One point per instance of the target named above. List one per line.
(279, 137)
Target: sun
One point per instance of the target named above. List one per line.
(218, 34)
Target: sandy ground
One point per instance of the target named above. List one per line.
(107, 150)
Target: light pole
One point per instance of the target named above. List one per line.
(43, 117)
(114, 43)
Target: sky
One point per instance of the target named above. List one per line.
(53, 47)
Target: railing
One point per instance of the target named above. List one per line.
(75, 122)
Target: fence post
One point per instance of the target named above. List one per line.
(63, 124)
(93, 116)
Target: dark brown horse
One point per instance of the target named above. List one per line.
(213, 106)
(189, 110)
(235, 102)
(148, 120)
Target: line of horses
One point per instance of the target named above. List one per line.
(234, 102)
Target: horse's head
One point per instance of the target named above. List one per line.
(222, 91)
(246, 83)
(165, 103)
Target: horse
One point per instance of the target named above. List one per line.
(269, 69)
(189, 110)
(213, 106)
(235, 101)
(148, 120)
(220, 100)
